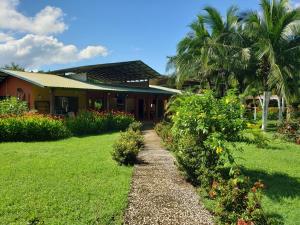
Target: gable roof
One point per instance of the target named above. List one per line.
(48, 80)
(54, 81)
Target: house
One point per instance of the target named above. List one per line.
(122, 86)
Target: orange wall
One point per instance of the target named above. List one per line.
(43, 94)
(10, 85)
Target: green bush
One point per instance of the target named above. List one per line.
(120, 121)
(91, 122)
(163, 130)
(210, 126)
(239, 200)
(32, 127)
(202, 139)
(127, 147)
(290, 131)
(253, 135)
(13, 106)
(135, 126)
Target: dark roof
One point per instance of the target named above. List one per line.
(54, 81)
(112, 72)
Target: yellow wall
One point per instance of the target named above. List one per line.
(43, 94)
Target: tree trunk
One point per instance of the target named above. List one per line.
(289, 112)
(255, 110)
(266, 101)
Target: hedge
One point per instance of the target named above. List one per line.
(32, 127)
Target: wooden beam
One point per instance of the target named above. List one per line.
(52, 101)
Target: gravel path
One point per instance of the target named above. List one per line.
(159, 194)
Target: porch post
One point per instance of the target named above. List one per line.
(125, 103)
(52, 101)
(148, 108)
(136, 107)
(156, 108)
(107, 105)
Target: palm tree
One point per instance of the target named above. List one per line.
(276, 45)
(212, 57)
(191, 58)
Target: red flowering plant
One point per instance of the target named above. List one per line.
(32, 127)
(95, 122)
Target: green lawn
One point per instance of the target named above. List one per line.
(279, 168)
(72, 181)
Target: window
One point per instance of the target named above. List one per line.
(64, 105)
(20, 94)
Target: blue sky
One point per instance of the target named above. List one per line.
(126, 29)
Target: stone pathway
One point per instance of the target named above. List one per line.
(159, 194)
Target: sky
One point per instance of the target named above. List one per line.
(54, 34)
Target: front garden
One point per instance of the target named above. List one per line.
(55, 169)
(74, 181)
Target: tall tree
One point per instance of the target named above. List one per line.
(213, 51)
(14, 66)
(275, 31)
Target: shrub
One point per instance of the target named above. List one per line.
(13, 106)
(88, 123)
(202, 141)
(239, 200)
(290, 131)
(135, 126)
(92, 122)
(32, 127)
(253, 135)
(208, 127)
(127, 147)
(163, 130)
(120, 120)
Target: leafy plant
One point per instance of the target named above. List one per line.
(290, 131)
(202, 140)
(135, 126)
(13, 106)
(163, 130)
(127, 147)
(92, 122)
(32, 127)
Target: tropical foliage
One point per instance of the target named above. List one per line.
(32, 127)
(13, 106)
(93, 122)
(247, 50)
(202, 140)
(127, 147)
(17, 124)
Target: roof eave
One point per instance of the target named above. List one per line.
(22, 78)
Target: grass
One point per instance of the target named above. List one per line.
(278, 166)
(73, 181)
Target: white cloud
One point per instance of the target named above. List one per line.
(48, 21)
(5, 37)
(33, 51)
(92, 51)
